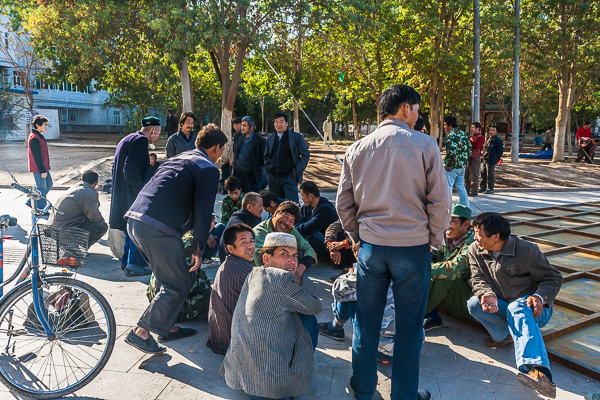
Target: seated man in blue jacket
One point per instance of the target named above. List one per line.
(180, 197)
(317, 214)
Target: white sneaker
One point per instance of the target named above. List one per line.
(209, 263)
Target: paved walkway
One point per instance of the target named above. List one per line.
(455, 365)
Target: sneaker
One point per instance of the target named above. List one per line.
(335, 334)
(488, 192)
(137, 270)
(539, 382)
(209, 263)
(429, 324)
(383, 358)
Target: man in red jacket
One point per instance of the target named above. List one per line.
(474, 166)
(584, 132)
(38, 160)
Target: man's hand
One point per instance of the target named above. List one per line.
(44, 175)
(332, 246)
(196, 259)
(299, 273)
(211, 241)
(536, 306)
(448, 168)
(489, 303)
(336, 256)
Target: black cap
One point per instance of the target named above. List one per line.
(236, 120)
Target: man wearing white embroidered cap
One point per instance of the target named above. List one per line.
(274, 330)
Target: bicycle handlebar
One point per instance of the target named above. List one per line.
(34, 194)
(21, 188)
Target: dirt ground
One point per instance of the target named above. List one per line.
(323, 168)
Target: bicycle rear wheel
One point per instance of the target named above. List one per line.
(35, 365)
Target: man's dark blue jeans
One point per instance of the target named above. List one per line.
(409, 270)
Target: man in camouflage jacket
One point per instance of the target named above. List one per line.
(450, 271)
(458, 151)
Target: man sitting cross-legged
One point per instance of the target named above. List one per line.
(283, 220)
(450, 272)
(274, 329)
(514, 287)
(239, 242)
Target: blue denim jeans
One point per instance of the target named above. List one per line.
(409, 270)
(131, 254)
(343, 311)
(517, 319)
(312, 326)
(457, 177)
(43, 185)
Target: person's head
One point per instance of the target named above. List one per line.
(328, 118)
(248, 125)
(169, 112)
(450, 123)
(187, 121)
(281, 122)
(285, 216)
(91, 178)
(253, 203)
(400, 102)
(493, 131)
(153, 159)
(491, 231)
(419, 124)
(475, 128)
(270, 201)
(280, 250)
(151, 128)
(460, 222)
(233, 186)
(239, 241)
(237, 124)
(596, 140)
(587, 125)
(212, 140)
(310, 194)
(40, 123)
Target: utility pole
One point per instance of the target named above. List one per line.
(514, 146)
(476, 93)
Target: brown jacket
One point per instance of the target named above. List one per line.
(520, 270)
(393, 189)
(79, 204)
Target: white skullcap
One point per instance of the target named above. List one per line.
(280, 239)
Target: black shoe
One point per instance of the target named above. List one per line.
(137, 270)
(423, 394)
(181, 333)
(335, 334)
(488, 192)
(428, 324)
(481, 191)
(148, 346)
(384, 358)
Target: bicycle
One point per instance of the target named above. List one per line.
(56, 333)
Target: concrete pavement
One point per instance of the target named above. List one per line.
(455, 365)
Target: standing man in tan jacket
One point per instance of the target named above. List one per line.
(393, 196)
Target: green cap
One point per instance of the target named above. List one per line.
(150, 121)
(460, 210)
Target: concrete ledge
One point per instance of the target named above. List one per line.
(75, 172)
(54, 187)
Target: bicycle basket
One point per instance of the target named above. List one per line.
(63, 246)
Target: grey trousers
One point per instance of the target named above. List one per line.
(96, 230)
(487, 176)
(472, 173)
(165, 255)
(284, 186)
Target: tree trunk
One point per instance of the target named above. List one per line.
(346, 130)
(186, 87)
(441, 121)
(296, 115)
(561, 122)
(262, 111)
(568, 137)
(355, 121)
(435, 100)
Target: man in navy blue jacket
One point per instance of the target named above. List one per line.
(131, 171)
(492, 153)
(178, 198)
(317, 214)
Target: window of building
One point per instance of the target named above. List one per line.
(116, 117)
(6, 39)
(72, 116)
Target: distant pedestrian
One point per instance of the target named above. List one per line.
(131, 171)
(286, 158)
(458, 151)
(178, 198)
(328, 129)
(38, 159)
(584, 132)
(586, 148)
(397, 221)
(473, 170)
(547, 140)
(185, 139)
(492, 153)
(248, 156)
(81, 208)
(172, 124)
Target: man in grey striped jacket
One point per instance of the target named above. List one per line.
(274, 329)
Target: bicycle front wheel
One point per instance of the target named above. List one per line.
(42, 366)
